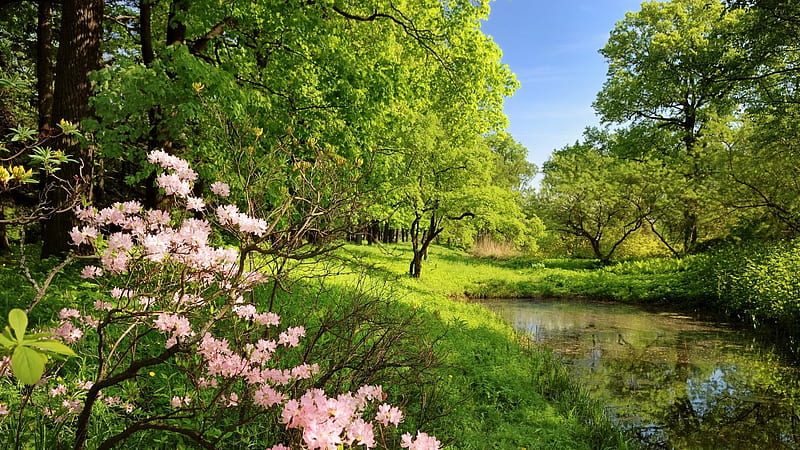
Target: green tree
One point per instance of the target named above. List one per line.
(512, 168)
(677, 65)
(597, 197)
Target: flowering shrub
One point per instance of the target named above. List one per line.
(168, 299)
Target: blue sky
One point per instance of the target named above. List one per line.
(552, 48)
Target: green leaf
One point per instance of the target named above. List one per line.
(27, 364)
(19, 322)
(54, 346)
(5, 341)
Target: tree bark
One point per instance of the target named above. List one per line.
(78, 55)
(176, 29)
(146, 31)
(44, 65)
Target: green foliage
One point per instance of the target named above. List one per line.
(29, 351)
(594, 196)
(759, 282)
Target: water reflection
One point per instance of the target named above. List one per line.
(674, 381)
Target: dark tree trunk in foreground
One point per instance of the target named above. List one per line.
(44, 64)
(78, 55)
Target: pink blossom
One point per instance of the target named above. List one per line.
(90, 321)
(91, 272)
(83, 235)
(174, 185)
(361, 431)
(68, 332)
(389, 414)
(69, 313)
(233, 399)
(291, 337)
(115, 262)
(277, 376)
(304, 371)
(58, 390)
(158, 218)
(84, 384)
(221, 189)
(130, 207)
(112, 215)
(4, 410)
(179, 325)
(245, 311)
(210, 347)
(251, 225)
(100, 305)
(263, 350)
(195, 204)
(120, 241)
(194, 232)
(421, 442)
(156, 247)
(369, 393)
(137, 226)
(85, 214)
(174, 163)
(279, 447)
(266, 396)
(227, 214)
(267, 319)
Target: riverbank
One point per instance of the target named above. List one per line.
(457, 371)
(755, 285)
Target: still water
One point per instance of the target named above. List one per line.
(670, 379)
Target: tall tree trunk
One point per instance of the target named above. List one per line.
(146, 31)
(44, 64)
(78, 55)
(176, 29)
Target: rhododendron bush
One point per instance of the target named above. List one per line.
(174, 341)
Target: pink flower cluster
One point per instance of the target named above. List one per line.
(178, 325)
(178, 182)
(230, 215)
(330, 422)
(67, 331)
(421, 442)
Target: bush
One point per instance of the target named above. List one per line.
(760, 283)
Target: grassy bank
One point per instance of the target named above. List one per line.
(451, 272)
(756, 284)
(456, 370)
(508, 395)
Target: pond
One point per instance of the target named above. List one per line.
(672, 380)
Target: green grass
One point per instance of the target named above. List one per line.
(451, 272)
(509, 395)
(458, 371)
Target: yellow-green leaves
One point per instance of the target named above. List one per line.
(27, 364)
(29, 352)
(68, 127)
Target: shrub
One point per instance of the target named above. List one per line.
(175, 347)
